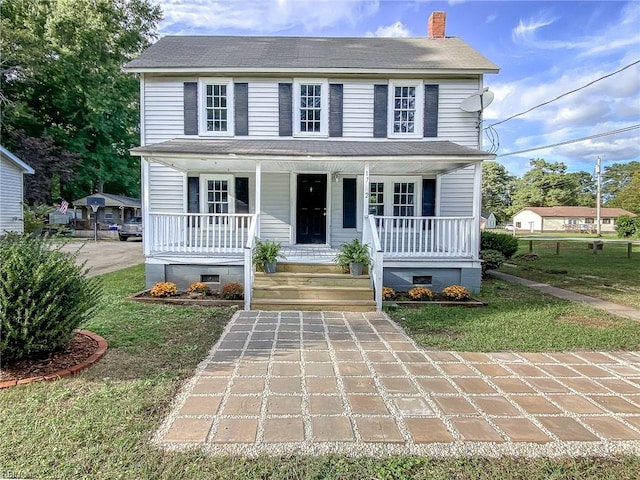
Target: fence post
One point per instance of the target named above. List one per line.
(557, 248)
(629, 249)
(530, 246)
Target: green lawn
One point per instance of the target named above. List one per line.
(97, 425)
(519, 318)
(609, 275)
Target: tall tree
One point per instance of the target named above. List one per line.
(61, 77)
(628, 196)
(497, 188)
(615, 177)
(548, 185)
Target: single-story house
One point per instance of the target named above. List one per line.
(488, 221)
(567, 219)
(117, 209)
(12, 171)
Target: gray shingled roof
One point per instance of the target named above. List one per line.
(312, 148)
(367, 55)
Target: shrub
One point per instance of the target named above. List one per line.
(388, 293)
(420, 293)
(628, 226)
(502, 242)
(163, 289)
(232, 291)
(199, 287)
(491, 260)
(456, 292)
(44, 296)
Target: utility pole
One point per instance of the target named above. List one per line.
(598, 199)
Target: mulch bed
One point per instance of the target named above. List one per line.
(212, 300)
(84, 349)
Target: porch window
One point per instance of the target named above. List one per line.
(217, 196)
(405, 109)
(311, 108)
(217, 107)
(376, 198)
(403, 199)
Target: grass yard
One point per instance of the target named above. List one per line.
(97, 425)
(519, 318)
(609, 275)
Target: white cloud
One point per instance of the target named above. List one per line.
(396, 29)
(260, 16)
(491, 18)
(526, 31)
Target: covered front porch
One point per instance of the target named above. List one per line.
(312, 196)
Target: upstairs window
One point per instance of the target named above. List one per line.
(311, 108)
(405, 116)
(216, 117)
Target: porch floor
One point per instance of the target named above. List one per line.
(308, 254)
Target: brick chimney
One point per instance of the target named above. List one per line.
(436, 25)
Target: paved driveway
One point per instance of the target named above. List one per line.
(106, 256)
(316, 382)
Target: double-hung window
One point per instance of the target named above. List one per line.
(311, 107)
(216, 115)
(389, 197)
(406, 108)
(216, 194)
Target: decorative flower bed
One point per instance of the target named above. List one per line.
(198, 293)
(417, 297)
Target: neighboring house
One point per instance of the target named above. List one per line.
(117, 209)
(12, 171)
(488, 221)
(312, 142)
(567, 219)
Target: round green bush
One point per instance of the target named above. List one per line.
(502, 242)
(491, 260)
(44, 296)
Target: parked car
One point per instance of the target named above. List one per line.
(130, 228)
(508, 227)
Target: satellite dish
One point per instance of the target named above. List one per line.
(478, 101)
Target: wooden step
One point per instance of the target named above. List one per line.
(314, 305)
(312, 292)
(293, 267)
(310, 279)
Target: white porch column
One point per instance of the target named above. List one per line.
(258, 195)
(477, 206)
(365, 191)
(146, 218)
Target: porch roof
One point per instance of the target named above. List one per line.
(340, 156)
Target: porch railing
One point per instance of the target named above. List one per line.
(441, 237)
(370, 237)
(199, 233)
(248, 264)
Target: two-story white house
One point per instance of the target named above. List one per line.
(311, 142)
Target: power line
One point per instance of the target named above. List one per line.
(564, 94)
(576, 140)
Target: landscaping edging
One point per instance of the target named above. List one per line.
(203, 302)
(66, 372)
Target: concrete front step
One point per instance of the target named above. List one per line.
(314, 305)
(310, 279)
(319, 293)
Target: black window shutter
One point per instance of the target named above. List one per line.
(428, 197)
(349, 203)
(193, 195)
(285, 109)
(242, 195)
(335, 110)
(241, 108)
(380, 99)
(190, 108)
(431, 93)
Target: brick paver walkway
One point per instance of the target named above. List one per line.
(316, 382)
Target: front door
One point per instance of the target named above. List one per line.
(311, 212)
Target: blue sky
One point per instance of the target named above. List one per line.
(544, 49)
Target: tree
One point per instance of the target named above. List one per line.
(628, 197)
(548, 185)
(614, 178)
(497, 188)
(61, 78)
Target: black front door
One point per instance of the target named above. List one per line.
(311, 213)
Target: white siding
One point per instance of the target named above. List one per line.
(454, 124)
(10, 197)
(166, 189)
(263, 109)
(456, 193)
(357, 110)
(275, 217)
(529, 221)
(164, 108)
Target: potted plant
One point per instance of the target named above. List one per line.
(265, 255)
(353, 255)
